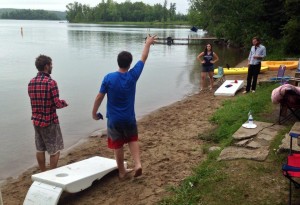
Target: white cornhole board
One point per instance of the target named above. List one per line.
(48, 186)
(229, 91)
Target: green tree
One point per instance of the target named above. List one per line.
(274, 17)
(28, 14)
(165, 11)
(158, 12)
(74, 11)
(236, 20)
(172, 11)
(111, 11)
(100, 11)
(292, 27)
(127, 11)
(240, 20)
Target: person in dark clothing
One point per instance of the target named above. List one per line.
(207, 58)
(257, 53)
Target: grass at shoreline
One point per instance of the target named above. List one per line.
(235, 112)
(237, 181)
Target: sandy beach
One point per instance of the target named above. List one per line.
(170, 149)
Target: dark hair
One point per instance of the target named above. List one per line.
(205, 50)
(256, 38)
(41, 61)
(124, 59)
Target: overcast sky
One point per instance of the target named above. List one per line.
(60, 5)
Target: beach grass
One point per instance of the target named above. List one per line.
(238, 181)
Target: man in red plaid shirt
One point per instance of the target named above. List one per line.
(44, 98)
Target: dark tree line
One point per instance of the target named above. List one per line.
(275, 21)
(111, 11)
(28, 14)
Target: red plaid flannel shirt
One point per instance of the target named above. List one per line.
(44, 98)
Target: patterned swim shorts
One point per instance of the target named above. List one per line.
(48, 139)
(121, 133)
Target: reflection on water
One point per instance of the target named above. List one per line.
(82, 55)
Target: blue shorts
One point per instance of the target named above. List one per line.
(120, 133)
(207, 68)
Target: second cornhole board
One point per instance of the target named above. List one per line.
(229, 88)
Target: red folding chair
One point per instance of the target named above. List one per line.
(291, 169)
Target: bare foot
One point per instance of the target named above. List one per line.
(124, 176)
(138, 172)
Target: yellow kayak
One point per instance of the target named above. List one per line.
(274, 65)
(238, 71)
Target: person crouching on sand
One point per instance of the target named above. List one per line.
(120, 87)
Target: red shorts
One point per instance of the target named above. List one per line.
(117, 144)
(121, 133)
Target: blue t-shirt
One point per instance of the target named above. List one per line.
(120, 89)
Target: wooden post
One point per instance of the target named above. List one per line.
(1, 202)
(295, 81)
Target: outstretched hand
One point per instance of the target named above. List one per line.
(151, 39)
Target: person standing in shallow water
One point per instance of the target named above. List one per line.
(207, 58)
(257, 53)
(44, 98)
(120, 87)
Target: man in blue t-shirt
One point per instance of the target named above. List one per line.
(120, 88)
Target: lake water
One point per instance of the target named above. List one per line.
(82, 54)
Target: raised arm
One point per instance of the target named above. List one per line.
(97, 103)
(150, 40)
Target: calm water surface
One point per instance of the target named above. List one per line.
(82, 54)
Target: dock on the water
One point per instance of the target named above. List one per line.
(187, 41)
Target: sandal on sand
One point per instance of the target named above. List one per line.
(138, 172)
